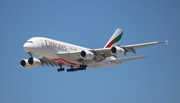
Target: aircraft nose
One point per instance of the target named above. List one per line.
(27, 47)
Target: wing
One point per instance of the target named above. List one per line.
(75, 56)
(127, 59)
(130, 48)
(103, 53)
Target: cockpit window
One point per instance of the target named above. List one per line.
(29, 42)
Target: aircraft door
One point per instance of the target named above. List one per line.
(42, 43)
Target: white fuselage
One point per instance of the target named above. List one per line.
(49, 48)
(57, 53)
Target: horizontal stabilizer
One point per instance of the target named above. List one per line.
(127, 59)
(166, 42)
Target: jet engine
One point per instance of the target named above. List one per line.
(24, 63)
(87, 55)
(116, 50)
(29, 63)
(34, 61)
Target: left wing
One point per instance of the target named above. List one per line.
(103, 53)
(130, 48)
(127, 59)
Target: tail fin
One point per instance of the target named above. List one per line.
(115, 39)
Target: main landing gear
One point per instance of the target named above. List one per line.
(72, 69)
(81, 67)
(60, 69)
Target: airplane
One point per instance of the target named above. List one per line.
(57, 53)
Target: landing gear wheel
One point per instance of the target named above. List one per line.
(82, 67)
(60, 69)
(71, 69)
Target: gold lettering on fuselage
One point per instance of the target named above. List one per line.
(73, 48)
(53, 44)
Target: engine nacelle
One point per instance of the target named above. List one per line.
(87, 55)
(29, 63)
(24, 63)
(116, 50)
(34, 61)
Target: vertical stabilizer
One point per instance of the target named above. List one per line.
(115, 39)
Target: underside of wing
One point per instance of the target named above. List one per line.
(86, 56)
(97, 55)
(48, 62)
(75, 55)
(101, 53)
(127, 59)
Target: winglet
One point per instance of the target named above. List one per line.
(166, 42)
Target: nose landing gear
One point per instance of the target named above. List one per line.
(30, 54)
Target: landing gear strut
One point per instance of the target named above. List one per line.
(30, 54)
(30, 60)
(60, 69)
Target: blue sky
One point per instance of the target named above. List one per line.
(155, 79)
